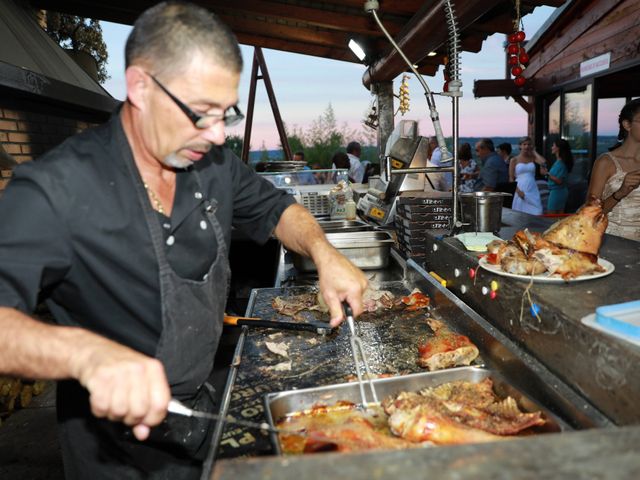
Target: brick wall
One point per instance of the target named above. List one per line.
(29, 128)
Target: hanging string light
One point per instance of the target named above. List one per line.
(518, 56)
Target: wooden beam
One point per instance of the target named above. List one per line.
(360, 23)
(335, 53)
(285, 32)
(528, 107)
(544, 52)
(502, 88)
(426, 32)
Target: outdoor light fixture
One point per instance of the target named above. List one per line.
(357, 50)
(431, 54)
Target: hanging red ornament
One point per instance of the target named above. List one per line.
(519, 81)
(513, 49)
(513, 60)
(524, 58)
(519, 36)
(512, 38)
(517, 70)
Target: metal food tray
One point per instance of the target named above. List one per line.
(368, 250)
(281, 404)
(337, 226)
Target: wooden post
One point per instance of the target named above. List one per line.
(259, 63)
(384, 91)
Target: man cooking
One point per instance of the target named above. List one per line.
(124, 231)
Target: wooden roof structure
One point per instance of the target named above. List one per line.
(324, 28)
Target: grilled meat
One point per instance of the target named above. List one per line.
(581, 232)
(293, 305)
(456, 413)
(445, 348)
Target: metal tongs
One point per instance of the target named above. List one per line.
(359, 356)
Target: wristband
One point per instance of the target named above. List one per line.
(615, 198)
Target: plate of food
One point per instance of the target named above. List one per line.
(566, 252)
(546, 276)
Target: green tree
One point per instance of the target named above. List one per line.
(264, 154)
(79, 34)
(234, 142)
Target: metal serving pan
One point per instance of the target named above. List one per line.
(368, 250)
(279, 405)
(337, 226)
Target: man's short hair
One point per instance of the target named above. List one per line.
(300, 154)
(354, 147)
(165, 37)
(505, 147)
(487, 143)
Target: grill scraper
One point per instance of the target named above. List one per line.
(359, 356)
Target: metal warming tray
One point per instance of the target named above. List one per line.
(338, 226)
(279, 405)
(367, 250)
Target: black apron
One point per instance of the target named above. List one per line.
(192, 318)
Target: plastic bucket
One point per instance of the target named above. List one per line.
(481, 211)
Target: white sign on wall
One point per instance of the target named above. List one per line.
(595, 64)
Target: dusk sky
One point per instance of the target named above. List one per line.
(305, 86)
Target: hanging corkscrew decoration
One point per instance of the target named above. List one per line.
(404, 95)
(518, 56)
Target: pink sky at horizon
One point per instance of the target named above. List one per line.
(305, 86)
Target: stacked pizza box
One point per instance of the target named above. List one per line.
(417, 213)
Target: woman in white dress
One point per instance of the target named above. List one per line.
(523, 168)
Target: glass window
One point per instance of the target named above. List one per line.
(553, 125)
(576, 129)
(608, 111)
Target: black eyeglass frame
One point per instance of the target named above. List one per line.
(201, 121)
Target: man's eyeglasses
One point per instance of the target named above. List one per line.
(232, 116)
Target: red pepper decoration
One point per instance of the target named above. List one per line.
(519, 36)
(513, 49)
(524, 58)
(516, 71)
(513, 60)
(519, 81)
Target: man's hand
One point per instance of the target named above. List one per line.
(340, 280)
(124, 385)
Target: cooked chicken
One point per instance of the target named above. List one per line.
(568, 248)
(581, 232)
(445, 348)
(456, 413)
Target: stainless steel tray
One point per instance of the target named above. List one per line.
(279, 405)
(367, 250)
(337, 226)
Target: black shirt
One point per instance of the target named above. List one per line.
(73, 232)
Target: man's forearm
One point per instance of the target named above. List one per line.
(300, 232)
(34, 349)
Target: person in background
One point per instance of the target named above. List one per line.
(494, 174)
(558, 176)
(298, 156)
(504, 150)
(124, 230)
(435, 160)
(305, 177)
(340, 160)
(356, 169)
(527, 197)
(616, 176)
(469, 170)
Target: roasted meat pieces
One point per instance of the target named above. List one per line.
(341, 427)
(445, 349)
(456, 413)
(569, 248)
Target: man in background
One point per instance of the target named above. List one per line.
(356, 169)
(494, 175)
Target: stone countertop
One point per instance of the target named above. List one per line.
(591, 454)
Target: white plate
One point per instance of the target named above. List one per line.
(546, 277)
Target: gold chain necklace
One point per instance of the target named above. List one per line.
(154, 198)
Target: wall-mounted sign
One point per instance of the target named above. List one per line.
(595, 64)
